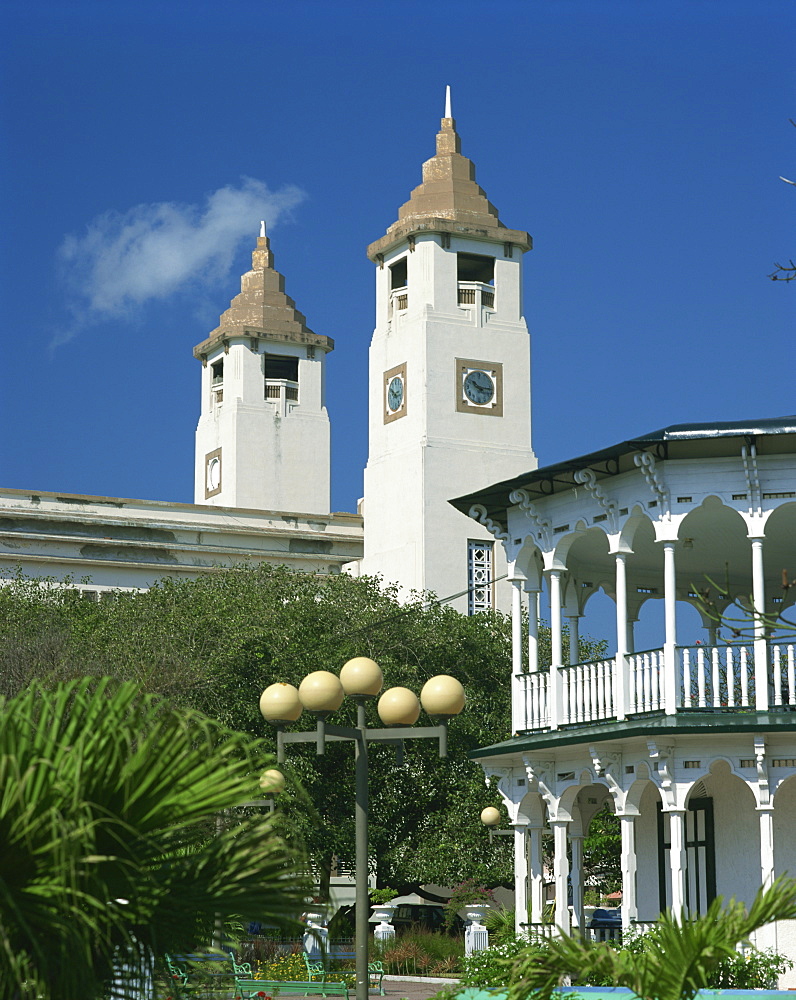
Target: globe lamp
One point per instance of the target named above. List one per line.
(361, 677)
(280, 703)
(443, 695)
(490, 816)
(399, 706)
(321, 691)
(272, 781)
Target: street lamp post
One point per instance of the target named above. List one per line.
(322, 693)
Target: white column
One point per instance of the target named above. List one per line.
(767, 875)
(520, 877)
(574, 655)
(533, 631)
(627, 826)
(576, 881)
(519, 707)
(535, 874)
(561, 873)
(631, 635)
(556, 700)
(671, 680)
(677, 860)
(516, 626)
(759, 607)
(766, 937)
(621, 693)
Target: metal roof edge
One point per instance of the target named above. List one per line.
(684, 723)
(675, 432)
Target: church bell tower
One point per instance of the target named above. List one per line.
(263, 435)
(449, 404)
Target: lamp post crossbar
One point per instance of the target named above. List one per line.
(361, 736)
(322, 693)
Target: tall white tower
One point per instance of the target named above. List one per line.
(263, 435)
(449, 383)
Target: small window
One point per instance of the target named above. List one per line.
(398, 274)
(217, 369)
(473, 267)
(479, 576)
(279, 366)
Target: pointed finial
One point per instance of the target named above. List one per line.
(262, 228)
(448, 113)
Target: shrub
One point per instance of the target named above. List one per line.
(469, 891)
(500, 924)
(757, 970)
(291, 968)
(492, 967)
(420, 952)
(382, 895)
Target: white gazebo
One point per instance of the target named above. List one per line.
(693, 745)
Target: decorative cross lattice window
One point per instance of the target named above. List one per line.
(479, 576)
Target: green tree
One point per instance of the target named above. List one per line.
(110, 848)
(679, 958)
(215, 642)
(602, 849)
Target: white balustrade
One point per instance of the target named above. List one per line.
(783, 666)
(712, 677)
(535, 691)
(646, 680)
(716, 676)
(476, 293)
(588, 691)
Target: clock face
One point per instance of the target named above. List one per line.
(394, 400)
(479, 388)
(395, 393)
(213, 473)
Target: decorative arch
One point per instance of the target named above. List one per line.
(529, 562)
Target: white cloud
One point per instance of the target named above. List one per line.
(125, 259)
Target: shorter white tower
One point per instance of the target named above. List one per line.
(263, 434)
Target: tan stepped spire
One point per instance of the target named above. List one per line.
(448, 199)
(262, 310)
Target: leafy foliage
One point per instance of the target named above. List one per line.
(490, 967)
(468, 891)
(755, 970)
(420, 952)
(602, 849)
(500, 922)
(111, 852)
(215, 642)
(680, 957)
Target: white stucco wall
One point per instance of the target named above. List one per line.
(275, 454)
(434, 452)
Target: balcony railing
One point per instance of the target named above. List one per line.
(707, 678)
(279, 388)
(399, 297)
(588, 691)
(475, 293)
(717, 677)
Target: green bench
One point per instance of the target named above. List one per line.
(316, 972)
(187, 986)
(249, 988)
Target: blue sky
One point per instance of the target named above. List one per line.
(639, 143)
